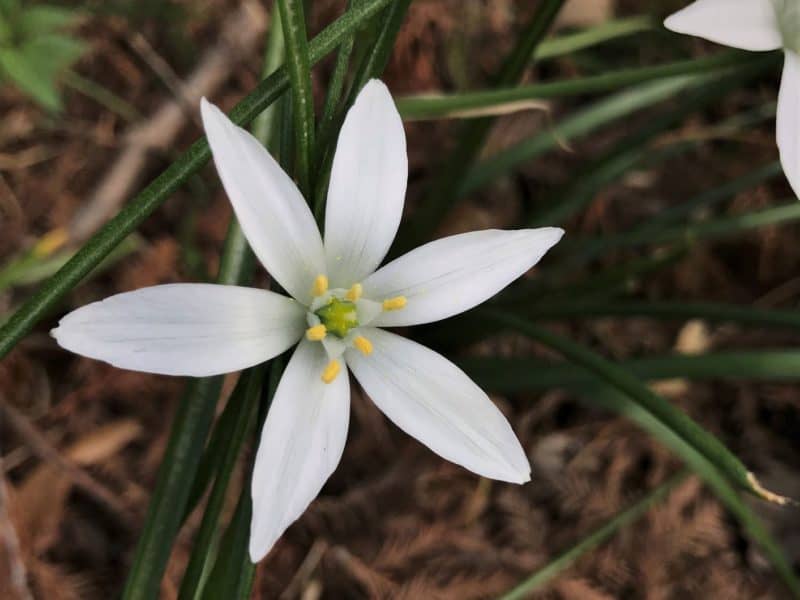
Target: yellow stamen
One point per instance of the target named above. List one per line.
(51, 241)
(320, 286)
(395, 303)
(354, 293)
(316, 333)
(363, 345)
(331, 371)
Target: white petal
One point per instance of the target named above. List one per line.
(272, 212)
(301, 444)
(448, 276)
(367, 187)
(745, 24)
(788, 120)
(431, 399)
(190, 329)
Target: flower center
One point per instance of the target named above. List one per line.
(340, 313)
(788, 15)
(338, 317)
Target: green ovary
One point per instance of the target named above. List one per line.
(338, 316)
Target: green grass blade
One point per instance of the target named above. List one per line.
(630, 152)
(424, 107)
(232, 574)
(513, 375)
(594, 36)
(620, 379)
(373, 62)
(594, 117)
(244, 401)
(299, 69)
(274, 55)
(327, 122)
(689, 233)
(138, 209)
(709, 311)
(712, 197)
(567, 558)
(472, 134)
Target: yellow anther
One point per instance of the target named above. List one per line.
(331, 371)
(316, 333)
(354, 293)
(320, 286)
(395, 303)
(51, 241)
(363, 345)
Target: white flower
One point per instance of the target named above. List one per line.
(339, 301)
(757, 25)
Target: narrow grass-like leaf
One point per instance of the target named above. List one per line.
(712, 197)
(424, 107)
(138, 209)
(567, 558)
(244, 402)
(232, 574)
(592, 118)
(690, 233)
(679, 422)
(441, 193)
(372, 64)
(513, 375)
(299, 69)
(231, 577)
(709, 311)
(633, 150)
(599, 34)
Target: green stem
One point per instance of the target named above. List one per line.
(434, 107)
(708, 311)
(232, 574)
(514, 375)
(138, 209)
(372, 65)
(299, 68)
(580, 40)
(593, 540)
(244, 402)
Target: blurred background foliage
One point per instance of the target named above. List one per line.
(649, 364)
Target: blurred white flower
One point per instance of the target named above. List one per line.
(757, 25)
(338, 303)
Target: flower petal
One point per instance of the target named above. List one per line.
(272, 212)
(448, 276)
(190, 329)
(745, 24)
(788, 120)
(367, 187)
(301, 444)
(431, 399)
